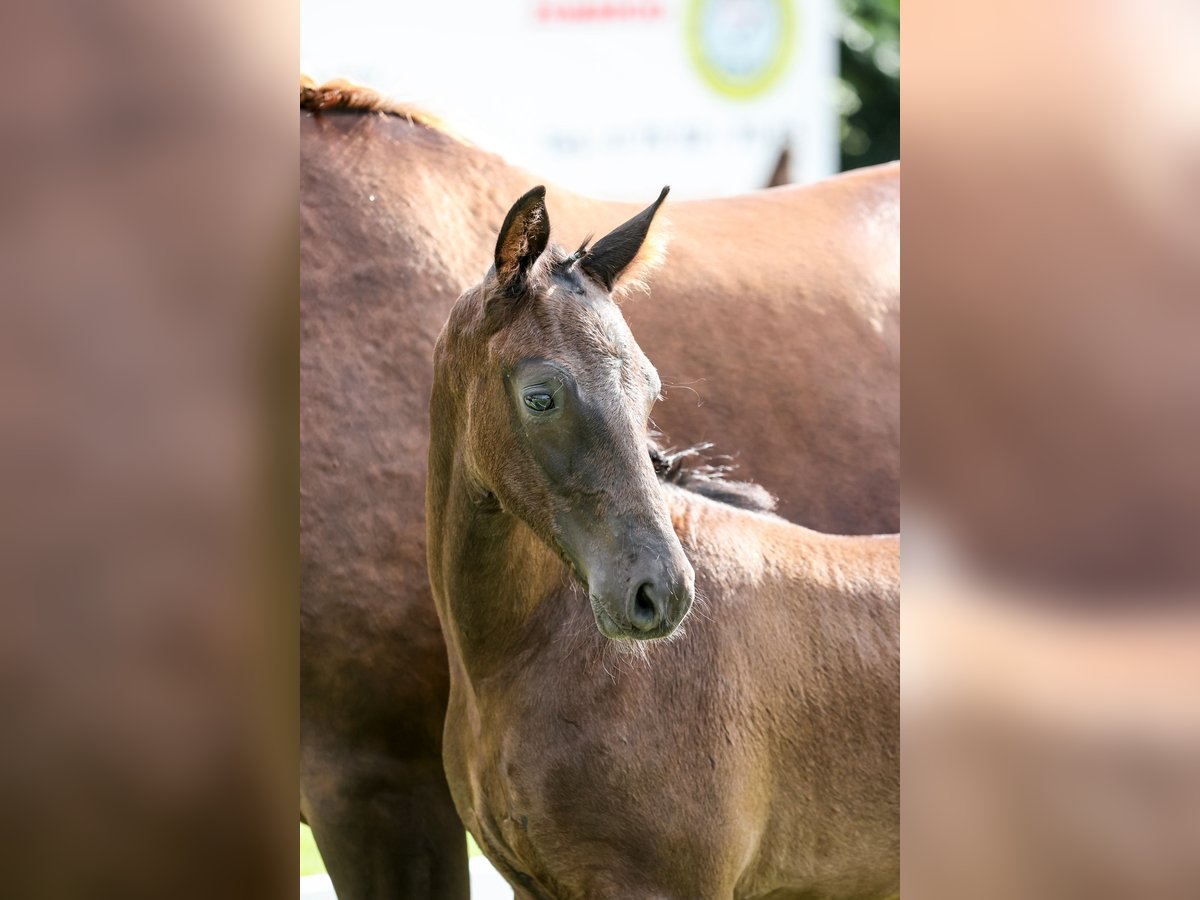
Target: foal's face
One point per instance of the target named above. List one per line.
(558, 430)
(578, 393)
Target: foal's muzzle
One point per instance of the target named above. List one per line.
(647, 601)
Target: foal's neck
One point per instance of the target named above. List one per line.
(491, 574)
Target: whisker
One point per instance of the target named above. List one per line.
(666, 385)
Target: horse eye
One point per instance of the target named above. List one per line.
(539, 402)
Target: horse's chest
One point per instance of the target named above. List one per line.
(518, 769)
(511, 820)
(545, 787)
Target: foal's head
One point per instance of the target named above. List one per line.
(549, 397)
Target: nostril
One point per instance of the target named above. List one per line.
(646, 613)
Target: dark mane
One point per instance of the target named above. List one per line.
(687, 469)
(341, 95)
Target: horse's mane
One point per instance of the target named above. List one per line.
(341, 95)
(687, 469)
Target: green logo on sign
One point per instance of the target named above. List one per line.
(740, 47)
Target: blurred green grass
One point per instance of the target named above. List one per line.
(312, 864)
(310, 857)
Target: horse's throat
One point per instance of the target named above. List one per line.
(499, 575)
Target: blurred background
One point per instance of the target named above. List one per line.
(1051, 563)
(617, 97)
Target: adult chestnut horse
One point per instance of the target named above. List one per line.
(756, 756)
(775, 325)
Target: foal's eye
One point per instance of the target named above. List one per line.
(539, 402)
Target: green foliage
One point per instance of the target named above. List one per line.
(869, 84)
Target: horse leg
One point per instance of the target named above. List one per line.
(386, 828)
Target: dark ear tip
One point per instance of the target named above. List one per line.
(666, 190)
(533, 195)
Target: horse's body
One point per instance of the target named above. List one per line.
(775, 318)
(755, 756)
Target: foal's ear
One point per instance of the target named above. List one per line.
(523, 237)
(624, 256)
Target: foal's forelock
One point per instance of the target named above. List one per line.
(555, 313)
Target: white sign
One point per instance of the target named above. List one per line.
(614, 98)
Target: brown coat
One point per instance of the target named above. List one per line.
(755, 755)
(775, 326)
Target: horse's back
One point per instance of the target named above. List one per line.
(792, 295)
(838, 238)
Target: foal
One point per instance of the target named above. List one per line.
(755, 755)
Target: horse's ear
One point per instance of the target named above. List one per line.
(625, 256)
(523, 237)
